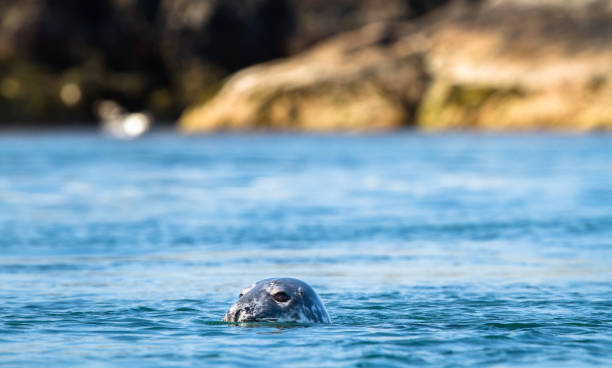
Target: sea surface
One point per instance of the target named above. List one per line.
(428, 250)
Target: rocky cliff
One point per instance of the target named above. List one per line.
(493, 65)
(57, 58)
(367, 79)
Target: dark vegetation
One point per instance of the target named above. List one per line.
(58, 58)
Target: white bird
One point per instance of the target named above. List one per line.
(117, 122)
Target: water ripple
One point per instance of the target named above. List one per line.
(452, 250)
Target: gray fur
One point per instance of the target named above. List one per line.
(257, 303)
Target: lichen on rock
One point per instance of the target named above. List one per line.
(499, 65)
(521, 65)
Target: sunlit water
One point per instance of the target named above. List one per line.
(443, 250)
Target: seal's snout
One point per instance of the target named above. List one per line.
(230, 316)
(239, 312)
(234, 315)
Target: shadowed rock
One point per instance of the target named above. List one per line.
(501, 65)
(156, 55)
(367, 79)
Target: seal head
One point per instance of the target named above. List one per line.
(278, 300)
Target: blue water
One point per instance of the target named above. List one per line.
(451, 250)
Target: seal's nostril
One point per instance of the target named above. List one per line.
(237, 315)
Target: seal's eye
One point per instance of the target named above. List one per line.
(281, 297)
(240, 296)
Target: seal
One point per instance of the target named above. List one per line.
(278, 300)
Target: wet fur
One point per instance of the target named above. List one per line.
(257, 304)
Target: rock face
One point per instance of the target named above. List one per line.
(367, 79)
(433, 64)
(498, 65)
(158, 55)
(522, 65)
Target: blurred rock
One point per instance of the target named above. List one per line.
(366, 79)
(490, 64)
(495, 65)
(521, 65)
(159, 55)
